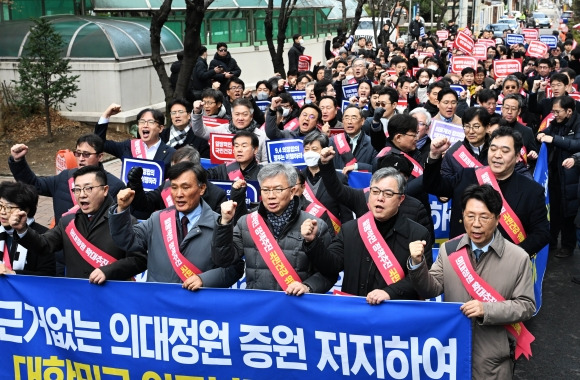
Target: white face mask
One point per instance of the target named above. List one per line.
(434, 68)
(262, 95)
(311, 158)
(285, 112)
(349, 77)
(301, 41)
(307, 100)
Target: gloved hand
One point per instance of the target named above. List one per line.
(134, 180)
(378, 114)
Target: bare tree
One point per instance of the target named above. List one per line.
(343, 24)
(357, 14)
(194, 14)
(286, 9)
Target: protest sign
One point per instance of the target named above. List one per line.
(304, 62)
(464, 42)
(479, 51)
(290, 151)
(153, 171)
(551, 41)
(512, 39)
(221, 148)
(461, 62)
(531, 34)
(503, 68)
(537, 49)
(442, 35)
(452, 132)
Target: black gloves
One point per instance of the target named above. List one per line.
(379, 111)
(134, 181)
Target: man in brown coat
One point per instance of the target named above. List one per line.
(493, 278)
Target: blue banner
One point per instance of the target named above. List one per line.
(512, 39)
(73, 329)
(252, 190)
(458, 88)
(358, 180)
(441, 214)
(551, 41)
(262, 104)
(152, 172)
(540, 260)
(297, 95)
(349, 91)
(290, 151)
(206, 163)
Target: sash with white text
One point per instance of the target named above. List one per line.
(234, 171)
(88, 251)
(465, 158)
(73, 209)
(291, 125)
(138, 149)
(166, 195)
(484, 292)
(379, 250)
(344, 149)
(183, 267)
(508, 218)
(270, 251)
(417, 168)
(316, 208)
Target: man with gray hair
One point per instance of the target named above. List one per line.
(275, 238)
(373, 249)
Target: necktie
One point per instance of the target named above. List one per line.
(478, 252)
(447, 120)
(184, 222)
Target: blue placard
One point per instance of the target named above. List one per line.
(350, 90)
(498, 109)
(152, 171)
(252, 190)
(262, 104)
(297, 95)
(441, 214)
(512, 39)
(422, 31)
(358, 180)
(551, 41)
(109, 331)
(290, 151)
(457, 88)
(206, 163)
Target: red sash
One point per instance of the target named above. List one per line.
(480, 290)
(75, 207)
(6, 257)
(291, 125)
(138, 149)
(344, 149)
(270, 251)
(465, 158)
(524, 155)
(417, 168)
(379, 250)
(508, 218)
(234, 171)
(183, 267)
(166, 195)
(546, 122)
(316, 208)
(88, 251)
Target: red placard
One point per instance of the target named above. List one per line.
(505, 67)
(221, 148)
(459, 63)
(304, 62)
(537, 49)
(486, 42)
(335, 131)
(531, 34)
(467, 32)
(548, 91)
(415, 70)
(575, 96)
(214, 122)
(464, 42)
(393, 72)
(442, 35)
(479, 51)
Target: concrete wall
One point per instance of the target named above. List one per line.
(135, 85)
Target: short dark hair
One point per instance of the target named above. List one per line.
(545, 61)
(93, 140)
(314, 107)
(401, 124)
(391, 92)
(100, 173)
(468, 70)
(235, 80)
(447, 91)
(479, 112)
(221, 45)
(243, 102)
(216, 95)
(320, 87)
(316, 136)
(21, 194)
(158, 116)
(265, 83)
(202, 50)
(484, 193)
(181, 167)
(439, 84)
(188, 106)
(186, 152)
(508, 131)
(516, 97)
(566, 102)
(296, 36)
(486, 94)
(331, 98)
(251, 135)
(559, 77)
(351, 106)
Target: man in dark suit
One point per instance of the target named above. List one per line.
(149, 146)
(180, 133)
(524, 198)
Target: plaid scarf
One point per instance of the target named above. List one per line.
(177, 137)
(279, 222)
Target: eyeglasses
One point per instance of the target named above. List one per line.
(386, 193)
(510, 109)
(359, 65)
(7, 208)
(87, 189)
(276, 191)
(84, 154)
(556, 112)
(350, 118)
(222, 50)
(510, 87)
(308, 115)
(235, 88)
(150, 123)
(209, 102)
(383, 104)
(421, 124)
(471, 127)
(179, 112)
(413, 135)
(483, 219)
